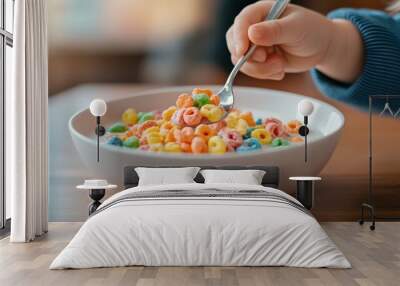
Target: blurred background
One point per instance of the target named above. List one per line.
(148, 41)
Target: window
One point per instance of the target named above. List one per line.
(6, 44)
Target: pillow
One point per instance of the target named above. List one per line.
(248, 177)
(166, 176)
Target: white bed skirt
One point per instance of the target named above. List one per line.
(200, 232)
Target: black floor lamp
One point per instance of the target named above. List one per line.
(369, 204)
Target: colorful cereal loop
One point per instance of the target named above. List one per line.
(184, 101)
(204, 131)
(168, 113)
(216, 145)
(192, 116)
(172, 148)
(202, 91)
(248, 116)
(262, 135)
(293, 126)
(199, 145)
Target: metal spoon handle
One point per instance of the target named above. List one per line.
(275, 12)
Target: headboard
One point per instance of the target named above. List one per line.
(271, 177)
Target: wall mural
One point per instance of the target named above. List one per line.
(156, 88)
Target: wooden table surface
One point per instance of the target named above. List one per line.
(339, 194)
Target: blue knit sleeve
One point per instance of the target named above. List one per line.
(381, 71)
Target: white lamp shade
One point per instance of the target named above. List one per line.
(98, 107)
(305, 107)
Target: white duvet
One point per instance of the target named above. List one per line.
(199, 231)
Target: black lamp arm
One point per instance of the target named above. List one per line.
(100, 131)
(305, 120)
(303, 131)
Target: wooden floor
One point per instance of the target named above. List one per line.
(375, 257)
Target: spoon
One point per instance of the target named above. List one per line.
(226, 93)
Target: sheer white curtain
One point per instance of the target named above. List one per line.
(26, 118)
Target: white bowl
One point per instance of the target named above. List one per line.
(325, 123)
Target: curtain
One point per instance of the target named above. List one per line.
(26, 118)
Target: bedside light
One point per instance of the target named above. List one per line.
(98, 108)
(305, 108)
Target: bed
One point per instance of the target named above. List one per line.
(197, 224)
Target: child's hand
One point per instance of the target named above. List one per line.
(298, 41)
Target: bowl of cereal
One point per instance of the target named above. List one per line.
(167, 127)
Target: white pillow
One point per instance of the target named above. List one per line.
(248, 177)
(166, 176)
